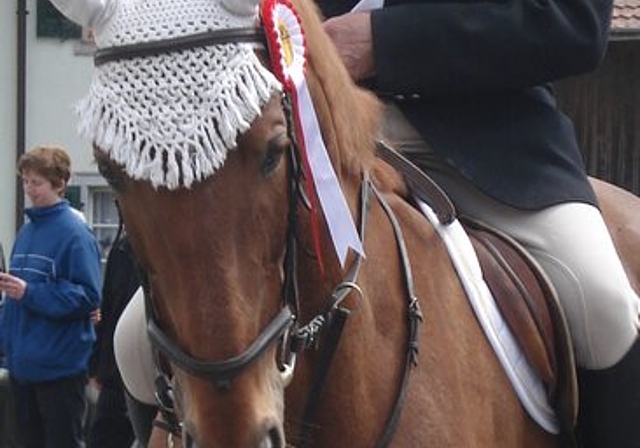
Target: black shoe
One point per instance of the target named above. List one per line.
(609, 412)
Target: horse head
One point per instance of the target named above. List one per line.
(191, 129)
(213, 257)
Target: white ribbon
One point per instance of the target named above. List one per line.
(332, 201)
(368, 5)
(286, 40)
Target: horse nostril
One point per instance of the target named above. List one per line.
(276, 438)
(187, 440)
(273, 438)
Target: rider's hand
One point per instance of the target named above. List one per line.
(351, 34)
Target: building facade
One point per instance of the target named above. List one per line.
(605, 104)
(46, 69)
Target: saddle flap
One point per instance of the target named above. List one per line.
(531, 309)
(519, 297)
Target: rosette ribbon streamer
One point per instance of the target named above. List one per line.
(286, 42)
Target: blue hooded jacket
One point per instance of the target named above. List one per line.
(48, 334)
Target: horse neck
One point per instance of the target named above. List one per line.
(349, 116)
(367, 342)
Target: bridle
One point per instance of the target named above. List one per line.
(176, 44)
(284, 329)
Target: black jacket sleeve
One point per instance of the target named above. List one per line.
(467, 46)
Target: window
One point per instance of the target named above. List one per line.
(92, 196)
(104, 218)
(51, 23)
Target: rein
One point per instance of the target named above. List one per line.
(335, 318)
(415, 318)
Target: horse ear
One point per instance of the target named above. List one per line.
(88, 13)
(241, 7)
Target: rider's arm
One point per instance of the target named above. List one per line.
(456, 47)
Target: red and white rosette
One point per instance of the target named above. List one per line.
(286, 41)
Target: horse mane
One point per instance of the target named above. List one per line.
(349, 116)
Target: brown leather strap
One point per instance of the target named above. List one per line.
(421, 185)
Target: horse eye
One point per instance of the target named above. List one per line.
(273, 156)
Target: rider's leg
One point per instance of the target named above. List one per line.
(133, 351)
(610, 404)
(142, 416)
(572, 244)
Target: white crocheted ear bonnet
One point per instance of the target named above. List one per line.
(170, 118)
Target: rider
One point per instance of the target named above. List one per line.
(468, 99)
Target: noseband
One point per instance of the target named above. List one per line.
(221, 372)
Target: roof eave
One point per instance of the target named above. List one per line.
(625, 34)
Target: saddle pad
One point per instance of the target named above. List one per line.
(526, 383)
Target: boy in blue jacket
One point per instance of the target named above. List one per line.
(52, 288)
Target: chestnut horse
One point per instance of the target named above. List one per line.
(219, 260)
(621, 210)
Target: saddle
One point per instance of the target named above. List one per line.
(524, 295)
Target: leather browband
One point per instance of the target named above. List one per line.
(204, 39)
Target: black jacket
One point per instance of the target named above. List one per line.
(481, 72)
(121, 280)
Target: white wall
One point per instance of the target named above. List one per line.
(56, 79)
(7, 120)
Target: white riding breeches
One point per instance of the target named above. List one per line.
(571, 243)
